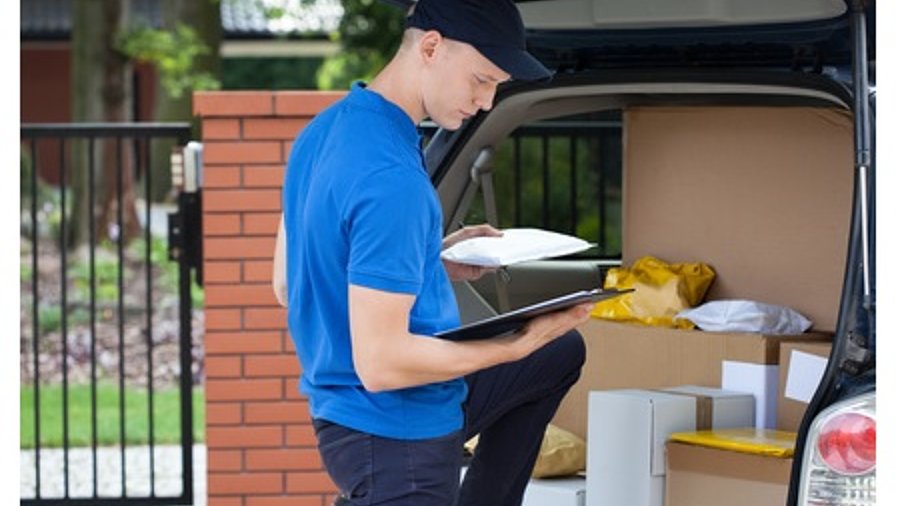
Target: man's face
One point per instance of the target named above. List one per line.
(458, 81)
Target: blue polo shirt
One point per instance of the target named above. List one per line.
(359, 209)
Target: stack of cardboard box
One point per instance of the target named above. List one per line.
(622, 356)
(638, 366)
(703, 475)
(628, 431)
(625, 407)
(735, 188)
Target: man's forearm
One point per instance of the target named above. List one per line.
(392, 362)
(386, 356)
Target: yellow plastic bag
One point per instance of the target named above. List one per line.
(661, 290)
(562, 453)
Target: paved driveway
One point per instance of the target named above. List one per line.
(167, 475)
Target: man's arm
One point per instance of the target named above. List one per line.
(387, 357)
(279, 274)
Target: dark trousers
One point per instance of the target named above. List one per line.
(509, 405)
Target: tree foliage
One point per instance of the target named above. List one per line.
(173, 54)
(369, 34)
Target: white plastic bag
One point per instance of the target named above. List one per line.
(746, 316)
(516, 245)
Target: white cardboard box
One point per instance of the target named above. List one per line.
(627, 433)
(759, 380)
(555, 492)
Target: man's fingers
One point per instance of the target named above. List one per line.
(483, 230)
(556, 324)
(486, 229)
(468, 232)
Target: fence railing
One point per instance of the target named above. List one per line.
(106, 363)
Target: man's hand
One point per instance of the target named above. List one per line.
(465, 272)
(543, 329)
(279, 271)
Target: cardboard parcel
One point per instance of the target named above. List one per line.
(738, 468)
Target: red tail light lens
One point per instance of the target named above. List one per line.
(847, 443)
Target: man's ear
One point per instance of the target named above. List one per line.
(429, 45)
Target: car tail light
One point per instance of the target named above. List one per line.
(847, 443)
(839, 457)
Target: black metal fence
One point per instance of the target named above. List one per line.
(579, 166)
(107, 367)
(563, 174)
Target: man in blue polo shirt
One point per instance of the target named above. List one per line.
(367, 290)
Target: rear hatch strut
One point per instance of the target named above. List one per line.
(853, 352)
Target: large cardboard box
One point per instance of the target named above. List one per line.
(801, 366)
(699, 476)
(628, 430)
(622, 356)
(555, 492)
(762, 194)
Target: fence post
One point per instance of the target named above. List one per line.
(261, 446)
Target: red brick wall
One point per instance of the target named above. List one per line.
(261, 446)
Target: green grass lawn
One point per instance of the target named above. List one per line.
(166, 416)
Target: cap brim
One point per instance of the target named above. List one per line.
(517, 63)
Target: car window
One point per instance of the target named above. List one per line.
(562, 174)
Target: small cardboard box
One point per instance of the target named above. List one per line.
(801, 366)
(621, 355)
(628, 430)
(555, 492)
(699, 476)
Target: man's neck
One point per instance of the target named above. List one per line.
(399, 85)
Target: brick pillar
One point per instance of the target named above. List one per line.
(261, 447)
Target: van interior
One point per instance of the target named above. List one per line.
(754, 180)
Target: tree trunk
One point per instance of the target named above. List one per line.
(118, 160)
(87, 55)
(101, 78)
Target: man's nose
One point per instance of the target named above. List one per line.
(485, 99)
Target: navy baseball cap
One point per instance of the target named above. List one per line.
(493, 27)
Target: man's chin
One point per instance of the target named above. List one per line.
(449, 124)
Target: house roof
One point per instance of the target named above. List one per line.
(241, 19)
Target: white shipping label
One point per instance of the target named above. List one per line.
(805, 371)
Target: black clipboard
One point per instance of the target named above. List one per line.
(512, 321)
